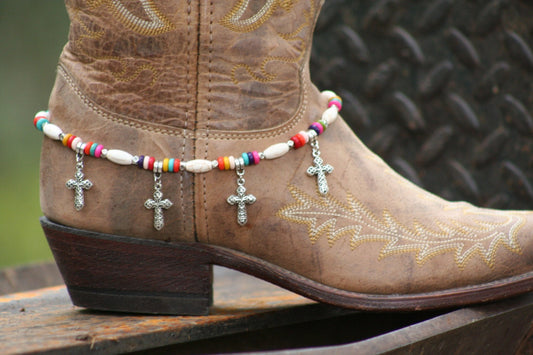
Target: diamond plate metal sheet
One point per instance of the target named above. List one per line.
(441, 89)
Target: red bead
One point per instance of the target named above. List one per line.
(220, 161)
(37, 118)
(177, 165)
(87, 149)
(297, 142)
(151, 163)
(69, 142)
(302, 138)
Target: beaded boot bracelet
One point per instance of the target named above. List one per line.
(174, 165)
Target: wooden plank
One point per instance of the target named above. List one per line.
(251, 315)
(45, 321)
(29, 277)
(498, 328)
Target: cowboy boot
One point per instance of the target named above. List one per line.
(184, 134)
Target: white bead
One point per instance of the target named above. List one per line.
(118, 156)
(44, 114)
(304, 134)
(52, 131)
(328, 94)
(75, 142)
(199, 166)
(276, 151)
(330, 115)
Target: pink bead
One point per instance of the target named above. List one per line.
(75, 143)
(304, 134)
(145, 162)
(336, 103)
(98, 151)
(256, 157)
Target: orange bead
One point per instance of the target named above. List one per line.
(87, 149)
(66, 138)
(220, 161)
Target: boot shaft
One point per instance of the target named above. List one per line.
(235, 65)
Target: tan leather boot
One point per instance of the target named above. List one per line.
(201, 79)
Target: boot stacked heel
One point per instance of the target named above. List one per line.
(112, 273)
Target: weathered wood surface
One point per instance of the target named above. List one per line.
(45, 321)
(500, 328)
(250, 315)
(29, 277)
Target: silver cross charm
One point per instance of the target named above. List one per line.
(78, 184)
(158, 204)
(241, 199)
(319, 169)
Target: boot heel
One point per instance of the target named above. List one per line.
(113, 273)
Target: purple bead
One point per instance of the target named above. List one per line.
(140, 162)
(315, 128)
(251, 158)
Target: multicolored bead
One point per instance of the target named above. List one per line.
(41, 118)
(220, 161)
(335, 101)
(245, 159)
(165, 164)
(140, 162)
(298, 143)
(317, 127)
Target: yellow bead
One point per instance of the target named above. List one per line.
(65, 139)
(165, 164)
(226, 163)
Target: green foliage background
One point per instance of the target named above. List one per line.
(33, 33)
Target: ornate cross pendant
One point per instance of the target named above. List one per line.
(241, 199)
(78, 184)
(157, 203)
(319, 169)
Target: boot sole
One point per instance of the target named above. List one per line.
(115, 273)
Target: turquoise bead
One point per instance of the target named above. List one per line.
(171, 165)
(41, 123)
(246, 159)
(93, 148)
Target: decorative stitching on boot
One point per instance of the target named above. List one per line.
(233, 19)
(157, 23)
(209, 89)
(188, 78)
(178, 132)
(326, 216)
(266, 76)
(120, 75)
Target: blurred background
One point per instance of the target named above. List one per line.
(34, 33)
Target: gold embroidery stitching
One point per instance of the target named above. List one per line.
(157, 23)
(120, 75)
(233, 19)
(265, 76)
(322, 214)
